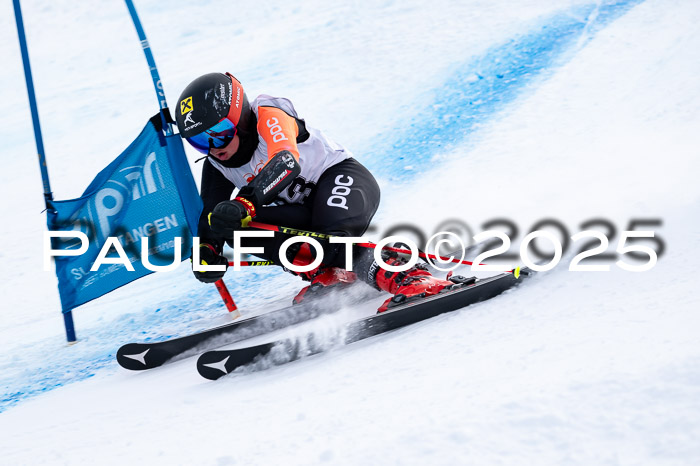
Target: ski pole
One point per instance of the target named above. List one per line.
(228, 300)
(326, 237)
(254, 263)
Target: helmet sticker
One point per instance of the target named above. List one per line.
(186, 105)
(189, 121)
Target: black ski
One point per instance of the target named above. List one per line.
(215, 364)
(141, 356)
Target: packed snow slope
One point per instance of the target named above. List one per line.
(476, 111)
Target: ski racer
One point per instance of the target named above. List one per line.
(288, 173)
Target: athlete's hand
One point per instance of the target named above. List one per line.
(209, 256)
(229, 216)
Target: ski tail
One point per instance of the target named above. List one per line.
(142, 356)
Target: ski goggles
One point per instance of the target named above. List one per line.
(216, 137)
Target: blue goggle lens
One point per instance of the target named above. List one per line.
(216, 137)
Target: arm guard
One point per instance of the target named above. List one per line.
(275, 176)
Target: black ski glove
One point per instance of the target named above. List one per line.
(209, 256)
(229, 216)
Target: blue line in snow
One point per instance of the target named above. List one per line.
(480, 88)
(41, 368)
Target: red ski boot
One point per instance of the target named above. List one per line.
(323, 281)
(413, 283)
(322, 278)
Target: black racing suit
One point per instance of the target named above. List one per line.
(322, 211)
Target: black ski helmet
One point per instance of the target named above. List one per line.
(213, 100)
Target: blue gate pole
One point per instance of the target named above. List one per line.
(151, 65)
(48, 196)
(220, 285)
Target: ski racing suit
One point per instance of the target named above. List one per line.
(332, 193)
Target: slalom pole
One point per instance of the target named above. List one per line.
(158, 84)
(152, 67)
(48, 195)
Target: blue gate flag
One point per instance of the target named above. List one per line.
(146, 192)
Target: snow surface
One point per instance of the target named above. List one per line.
(475, 110)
